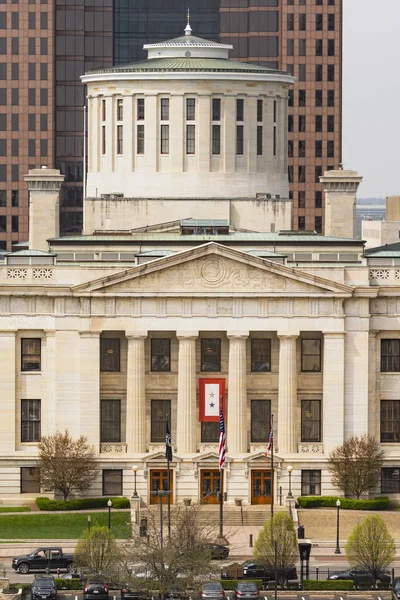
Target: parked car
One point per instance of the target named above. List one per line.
(396, 590)
(127, 593)
(212, 590)
(95, 591)
(218, 551)
(42, 559)
(246, 590)
(175, 595)
(44, 587)
(361, 577)
(252, 570)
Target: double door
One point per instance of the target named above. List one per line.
(159, 481)
(261, 487)
(210, 486)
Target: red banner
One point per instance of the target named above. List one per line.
(210, 393)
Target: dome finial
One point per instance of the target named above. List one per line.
(188, 29)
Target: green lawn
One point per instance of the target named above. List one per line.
(60, 526)
(7, 509)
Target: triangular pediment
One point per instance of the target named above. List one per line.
(210, 269)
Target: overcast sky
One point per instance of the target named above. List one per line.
(371, 94)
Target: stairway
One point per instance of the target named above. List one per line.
(252, 516)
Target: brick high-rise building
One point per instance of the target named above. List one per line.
(45, 45)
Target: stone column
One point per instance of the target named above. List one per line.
(49, 403)
(186, 438)
(356, 382)
(90, 386)
(287, 394)
(8, 410)
(333, 391)
(237, 394)
(135, 393)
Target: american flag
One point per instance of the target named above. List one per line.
(222, 438)
(271, 438)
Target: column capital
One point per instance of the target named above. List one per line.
(90, 334)
(237, 334)
(288, 334)
(136, 334)
(334, 334)
(187, 335)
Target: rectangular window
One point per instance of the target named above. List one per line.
(331, 72)
(140, 109)
(311, 483)
(302, 21)
(31, 354)
(290, 148)
(331, 47)
(30, 420)
(330, 148)
(310, 420)
(290, 123)
(14, 173)
(160, 414)
(103, 139)
(15, 46)
(3, 198)
(318, 199)
(239, 140)
(302, 174)
(110, 419)
(110, 351)
(330, 123)
(31, 71)
(120, 109)
(210, 355)
(15, 71)
(44, 46)
(43, 123)
(318, 148)
(32, 97)
(210, 432)
(44, 72)
(318, 174)
(319, 73)
(44, 97)
(301, 223)
(302, 47)
(302, 97)
(259, 140)
(15, 223)
(44, 20)
(319, 47)
(302, 72)
(190, 109)
(239, 109)
(318, 97)
(140, 139)
(216, 109)
(216, 139)
(291, 98)
(112, 482)
(30, 480)
(259, 111)
(310, 355)
(31, 20)
(164, 139)
(318, 123)
(318, 224)
(103, 110)
(161, 354)
(14, 20)
(274, 141)
(331, 97)
(390, 480)
(319, 22)
(290, 47)
(302, 199)
(331, 22)
(31, 147)
(261, 355)
(14, 198)
(260, 420)
(120, 139)
(390, 356)
(302, 149)
(290, 173)
(190, 139)
(290, 22)
(390, 421)
(164, 109)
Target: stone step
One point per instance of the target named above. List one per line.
(233, 516)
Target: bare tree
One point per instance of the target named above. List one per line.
(97, 553)
(186, 553)
(277, 542)
(66, 465)
(371, 547)
(355, 466)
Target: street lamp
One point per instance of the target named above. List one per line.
(89, 518)
(289, 469)
(109, 504)
(337, 549)
(135, 469)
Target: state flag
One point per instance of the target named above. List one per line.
(210, 392)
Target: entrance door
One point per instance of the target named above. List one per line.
(159, 481)
(210, 486)
(261, 487)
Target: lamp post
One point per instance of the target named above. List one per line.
(337, 549)
(109, 504)
(289, 469)
(135, 469)
(89, 518)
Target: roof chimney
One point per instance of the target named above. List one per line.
(340, 189)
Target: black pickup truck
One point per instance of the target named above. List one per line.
(43, 559)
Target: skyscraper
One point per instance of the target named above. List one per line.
(46, 46)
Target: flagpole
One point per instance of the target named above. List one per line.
(221, 504)
(272, 467)
(168, 481)
(221, 458)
